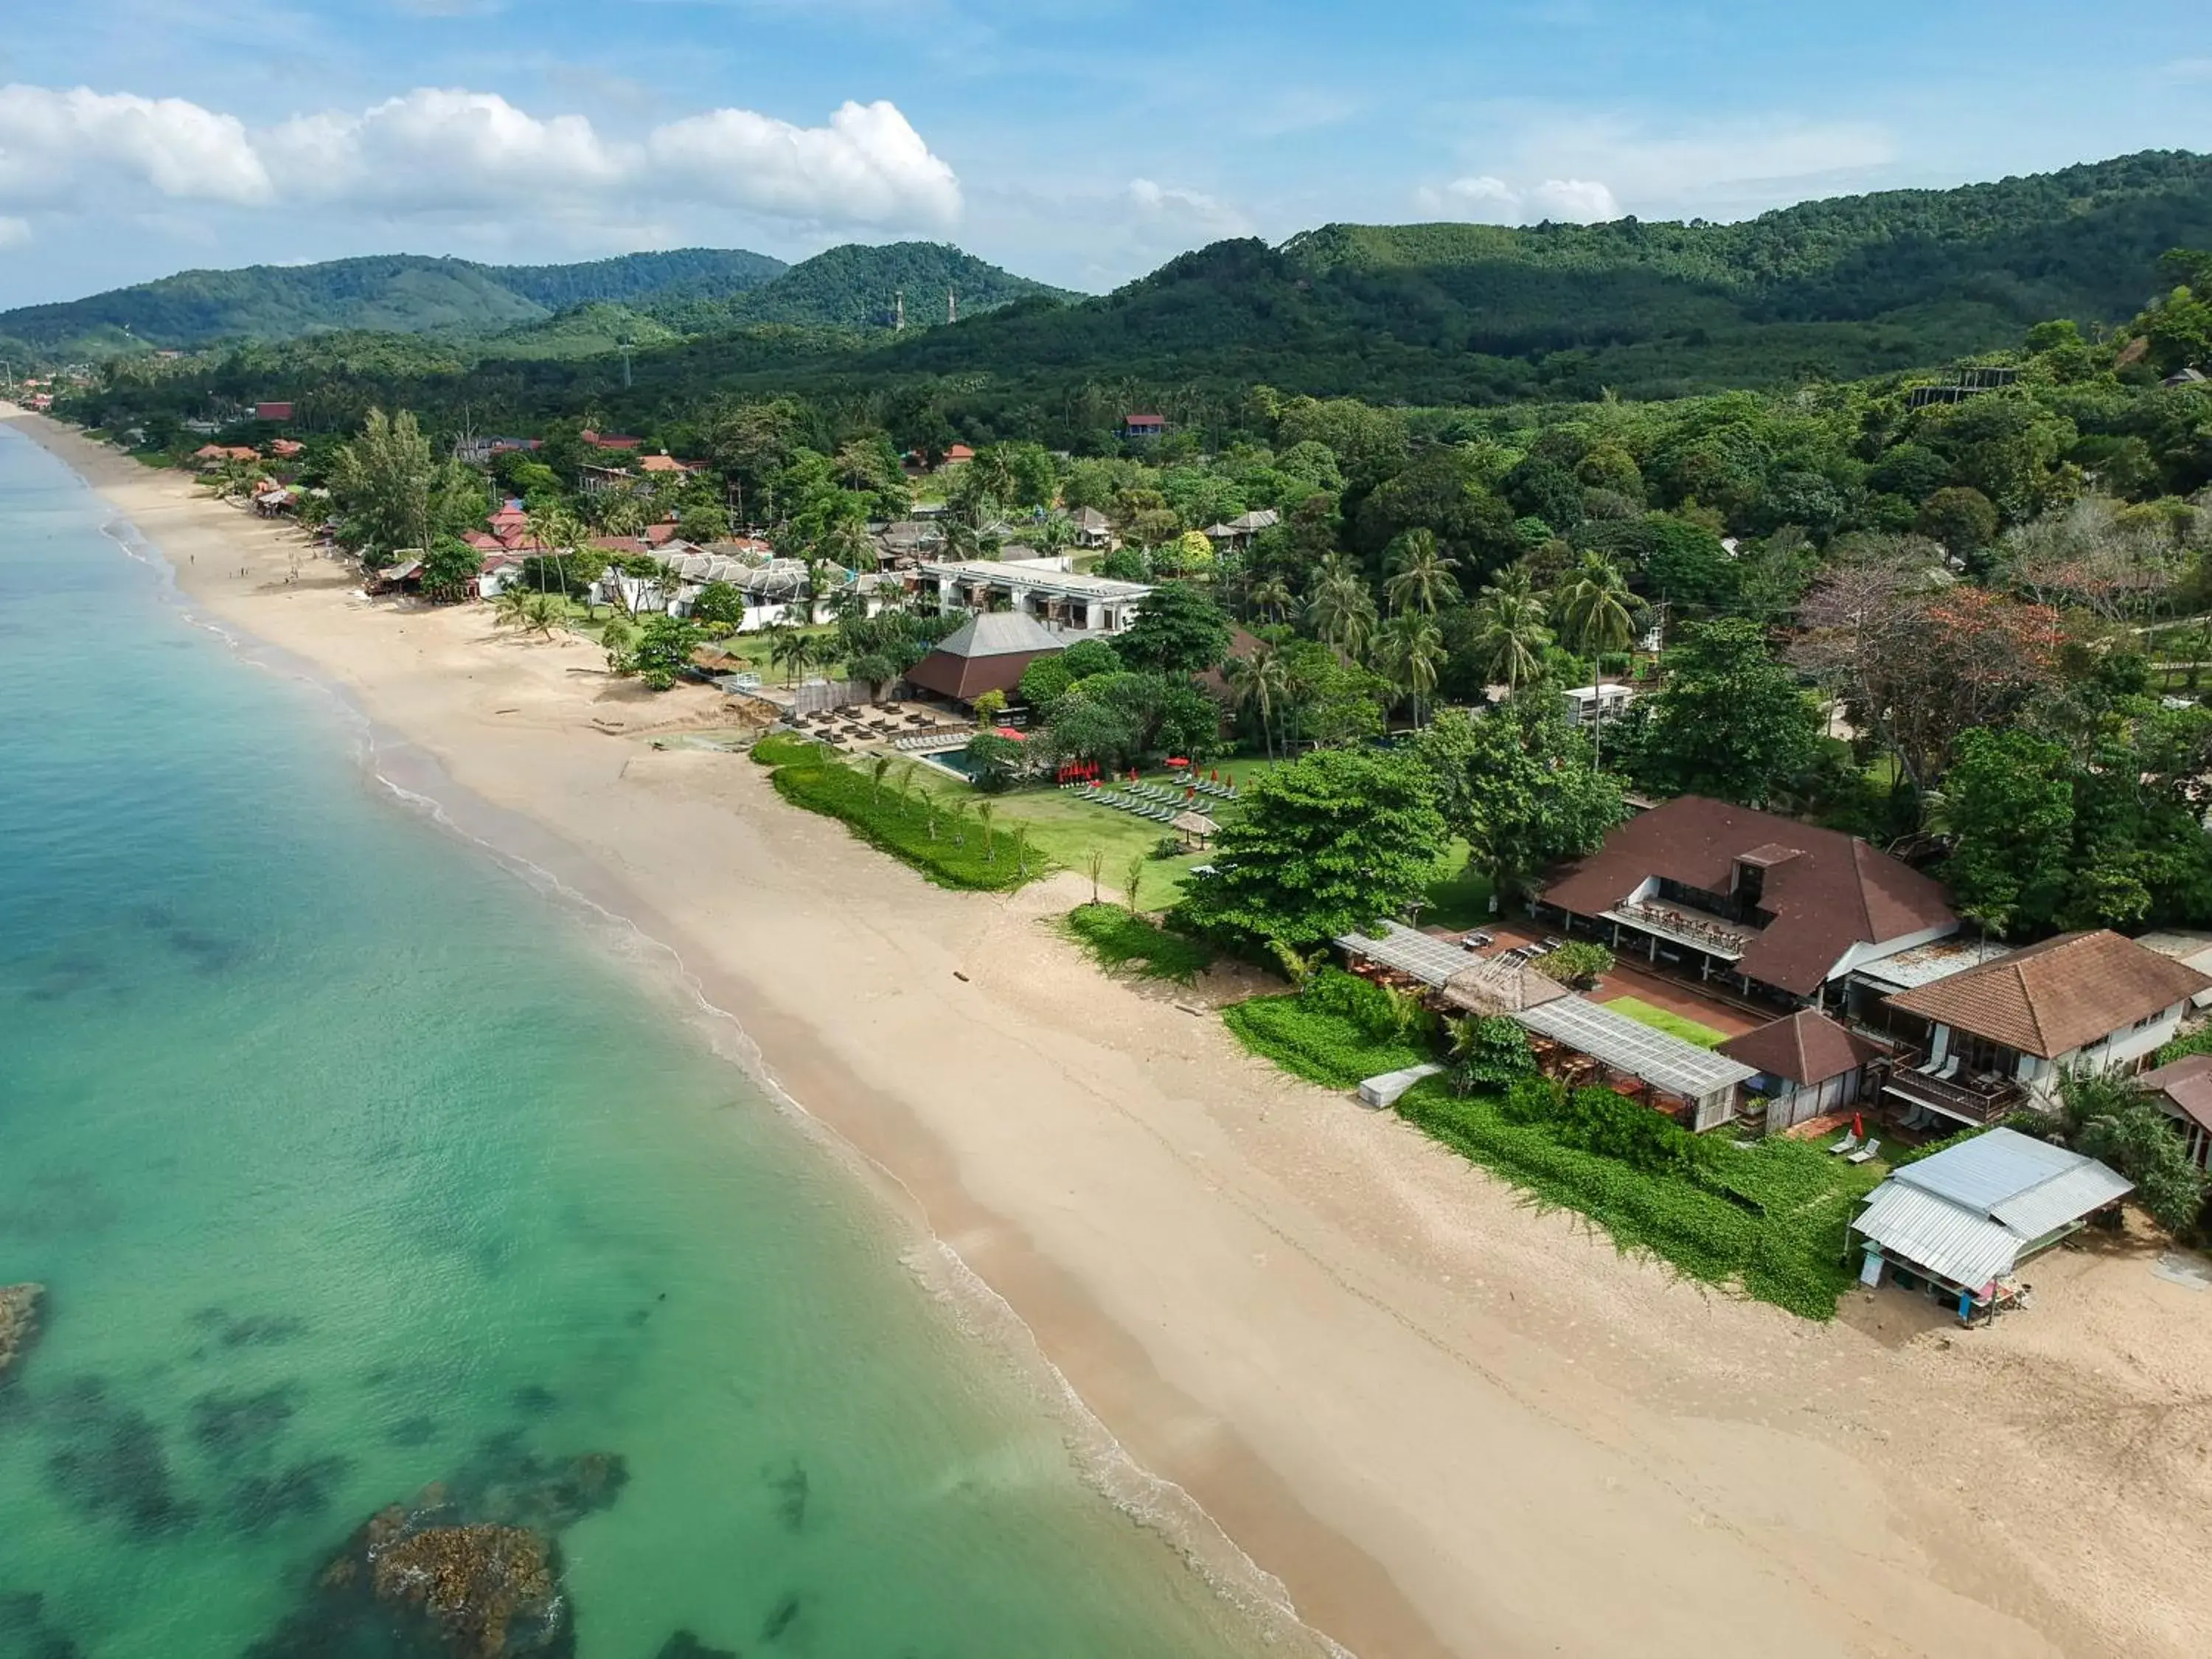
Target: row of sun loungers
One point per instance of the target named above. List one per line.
(1143, 809)
(1851, 1152)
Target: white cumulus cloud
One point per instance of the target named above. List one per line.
(1173, 204)
(54, 144)
(442, 150)
(1490, 200)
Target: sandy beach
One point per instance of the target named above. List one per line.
(1446, 1422)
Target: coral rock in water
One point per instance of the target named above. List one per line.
(19, 1321)
(473, 1583)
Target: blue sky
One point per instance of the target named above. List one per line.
(1083, 142)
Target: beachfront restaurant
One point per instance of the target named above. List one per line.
(1452, 977)
(1585, 1043)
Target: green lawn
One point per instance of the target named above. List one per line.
(1459, 895)
(1659, 1020)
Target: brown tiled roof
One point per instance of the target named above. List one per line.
(1835, 892)
(2188, 1084)
(2053, 998)
(1805, 1047)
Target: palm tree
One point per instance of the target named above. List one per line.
(877, 769)
(1595, 611)
(984, 813)
(1510, 635)
(791, 651)
(1411, 650)
(1343, 611)
(848, 544)
(1271, 596)
(1422, 579)
(545, 613)
(510, 607)
(1260, 682)
(560, 533)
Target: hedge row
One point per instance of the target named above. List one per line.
(912, 828)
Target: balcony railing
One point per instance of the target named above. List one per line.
(1976, 1099)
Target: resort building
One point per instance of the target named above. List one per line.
(1238, 531)
(1960, 1224)
(1057, 599)
(987, 652)
(1776, 909)
(1091, 528)
(1807, 1065)
(2001, 1035)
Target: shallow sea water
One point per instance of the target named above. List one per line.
(351, 1165)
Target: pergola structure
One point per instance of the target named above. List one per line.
(1711, 1084)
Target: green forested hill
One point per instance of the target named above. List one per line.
(642, 298)
(397, 293)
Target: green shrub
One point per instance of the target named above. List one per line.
(1379, 1012)
(1116, 940)
(1318, 1044)
(2196, 1042)
(912, 828)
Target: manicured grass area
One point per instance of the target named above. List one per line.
(951, 848)
(782, 749)
(1659, 1020)
(1766, 1221)
(1459, 895)
(1116, 940)
(1328, 1049)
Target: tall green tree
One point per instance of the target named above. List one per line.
(1178, 630)
(391, 491)
(1343, 611)
(2009, 803)
(1330, 842)
(1410, 651)
(1520, 784)
(1729, 721)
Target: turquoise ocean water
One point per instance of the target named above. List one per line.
(351, 1165)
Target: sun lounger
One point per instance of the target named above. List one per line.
(1865, 1154)
(1845, 1147)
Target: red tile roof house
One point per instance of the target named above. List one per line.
(1779, 910)
(272, 411)
(1807, 1064)
(611, 440)
(2001, 1035)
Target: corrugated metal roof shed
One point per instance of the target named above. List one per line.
(1663, 1061)
(1425, 958)
(1932, 1232)
(1996, 1170)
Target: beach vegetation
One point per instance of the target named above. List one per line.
(1120, 941)
(449, 565)
(389, 489)
(1337, 1031)
(912, 828)
(1766, 1221)
(661, 651)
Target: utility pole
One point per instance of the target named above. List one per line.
(626, 380)
(898, 323)
(952, 305)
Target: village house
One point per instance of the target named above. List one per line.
(2183, 1090)
(1778, 910)
(1091, 528)
(617, 441)
(1239, 531)
(1961, 1224)
(2001, 1035)
(1144, 426)
(279, 412)
(480, 451)
(1060, 601)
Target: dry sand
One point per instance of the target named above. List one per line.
(1449, 1424)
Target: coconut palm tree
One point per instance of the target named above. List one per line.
(1342, 610)
(1271, 596)
(1262, 683)
(1410, 649)
(1510, 634)
(1421, 577)
(848, 544)
(546, 614)
(510, 607)
(791, 651)
(1595, 611)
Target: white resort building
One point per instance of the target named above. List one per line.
(1064, 602)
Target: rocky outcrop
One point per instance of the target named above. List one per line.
(471, 1570)
(19, 1322)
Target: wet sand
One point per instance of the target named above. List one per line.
(1446, 1422)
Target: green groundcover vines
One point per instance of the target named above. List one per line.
(1117, 939)
(1341, 1031)
(1767, 1221)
